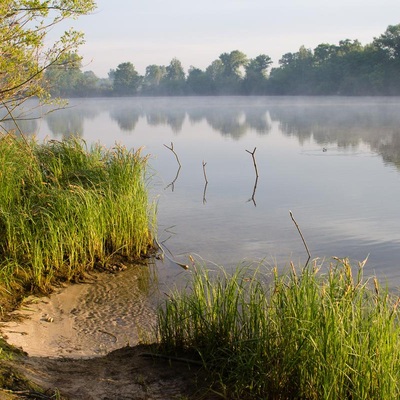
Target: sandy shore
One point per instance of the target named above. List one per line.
(87, 320)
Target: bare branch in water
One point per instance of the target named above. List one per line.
(204, 171)
(254, 159)
(253, 199)
(179, 169)
(206, 182)
(173, 182)
(302, 238)
(253, 196)
(176, 155)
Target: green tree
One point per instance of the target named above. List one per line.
(256, 74)
(324, 52)
(198, 82)
(152, 79)
(348, 46)
(232, 62)
(64, 79)
(174, 79)
(389, 42)
(294, 75)
(388, 47)
(232, 74)
(25, 49)
(214, 73)
(89, 84)
(126, 80)
(175, 71)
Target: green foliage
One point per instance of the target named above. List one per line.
(153, 78)
(174, 80)
(346, 68)
(389, 42)
(198, 82)
(25, 51)
(256, 74)
(311, 335)
(126, 80)
(64, 208)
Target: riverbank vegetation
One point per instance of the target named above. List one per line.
(346, 68)
(308, 335)
(66, 209)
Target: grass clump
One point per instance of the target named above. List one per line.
(65, 208)
(310, 335)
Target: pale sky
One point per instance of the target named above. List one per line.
(146, 32)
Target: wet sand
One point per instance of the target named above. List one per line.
(90, 319)
(83, 340)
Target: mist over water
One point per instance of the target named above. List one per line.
(334, 162)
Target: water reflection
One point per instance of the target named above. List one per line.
(126, 118)
(69, 121)
(377, 125)
(27, 126)
(158, 115)
(253, 196)
(345, 198)
(343, 125)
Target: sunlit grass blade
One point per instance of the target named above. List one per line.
(308, 335)
(65, 207)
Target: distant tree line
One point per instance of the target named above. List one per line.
(348, 68)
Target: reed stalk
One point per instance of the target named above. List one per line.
(65, 207)
(306, 335)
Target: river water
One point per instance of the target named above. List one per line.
(333, 161)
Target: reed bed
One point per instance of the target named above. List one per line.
(65, 207)
(303, 335)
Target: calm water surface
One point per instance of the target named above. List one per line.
(334, 162)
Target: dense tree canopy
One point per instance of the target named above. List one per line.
(126, 80)
(25, 48)
(346, 68)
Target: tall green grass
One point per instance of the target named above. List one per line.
(65, 207)
(307, 335)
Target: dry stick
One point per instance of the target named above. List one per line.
(205, 186)
(253, 196)
(302, 238)
(254, 159)
(179, 169)
(204, 171)
(172, 149)
(173, 182)
(255, 183)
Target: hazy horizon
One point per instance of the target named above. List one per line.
(196, 33)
